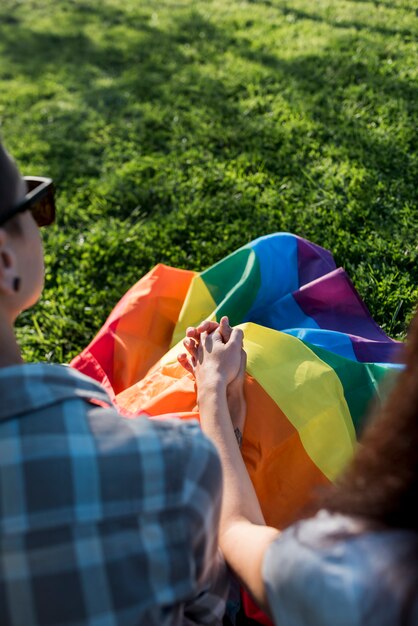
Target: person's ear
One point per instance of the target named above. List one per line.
(9, 280)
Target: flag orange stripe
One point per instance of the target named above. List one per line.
(147, 316)
(283, 474)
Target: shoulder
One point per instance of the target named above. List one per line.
(28, 388)
(62, 401)
(180, 444)
(166, 463)
(191, 462)
(100, 464)
(329, 560)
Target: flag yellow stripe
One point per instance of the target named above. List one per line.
(307, 390)
(198, 306)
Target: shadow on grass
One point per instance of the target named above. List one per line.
(105, 79)
(297, 14)
(321, 79)
(156, 67)
(388, 5)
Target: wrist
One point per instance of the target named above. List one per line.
(234, 389)
(212, 392)
(212, 383)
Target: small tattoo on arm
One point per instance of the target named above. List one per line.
(238, 435)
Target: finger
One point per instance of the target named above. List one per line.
(184, 361)
(187, 363)
(207, 344)
(216, 335)
(192, 333)
(207, 327)
(190, 346)
(225, 329)
(243, 365)
(201, 348)
(237, 336)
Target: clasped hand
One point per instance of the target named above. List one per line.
(216, 358)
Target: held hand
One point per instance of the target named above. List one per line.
(192, 340)
(194, 332)
(235, 390)
(216, 362)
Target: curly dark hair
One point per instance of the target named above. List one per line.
(381, 483)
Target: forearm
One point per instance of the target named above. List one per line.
(240, 501)
(243, 537)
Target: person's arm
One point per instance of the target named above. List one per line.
(202, 505)
(244, 537)
(235, 390)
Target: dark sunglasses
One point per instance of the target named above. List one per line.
(39, 200)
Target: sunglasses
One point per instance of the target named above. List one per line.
(39, 200)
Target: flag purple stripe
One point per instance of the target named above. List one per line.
(368, 351)
(313, 261)
(333, 303)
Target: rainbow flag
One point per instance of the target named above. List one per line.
(315, 359)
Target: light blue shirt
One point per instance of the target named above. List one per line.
(325, 571)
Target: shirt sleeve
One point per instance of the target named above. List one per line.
(329, 570)
(307, 583)
(203, 496)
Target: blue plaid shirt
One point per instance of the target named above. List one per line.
(104, 521)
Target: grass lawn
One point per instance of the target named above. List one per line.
(178, 130)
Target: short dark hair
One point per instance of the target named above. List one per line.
(9, 186)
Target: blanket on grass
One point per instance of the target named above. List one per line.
(315, 359)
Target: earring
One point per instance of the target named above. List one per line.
(16, 283)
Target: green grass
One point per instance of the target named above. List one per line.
(178, 130)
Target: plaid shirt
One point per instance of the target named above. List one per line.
(104, 520)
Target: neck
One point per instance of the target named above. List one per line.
(9, 349)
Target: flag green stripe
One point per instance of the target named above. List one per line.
(360, 382)
(233, 284)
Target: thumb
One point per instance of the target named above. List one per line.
(243, 366)
(237, 337)
(225, 329)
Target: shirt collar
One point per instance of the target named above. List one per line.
(30, 387)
